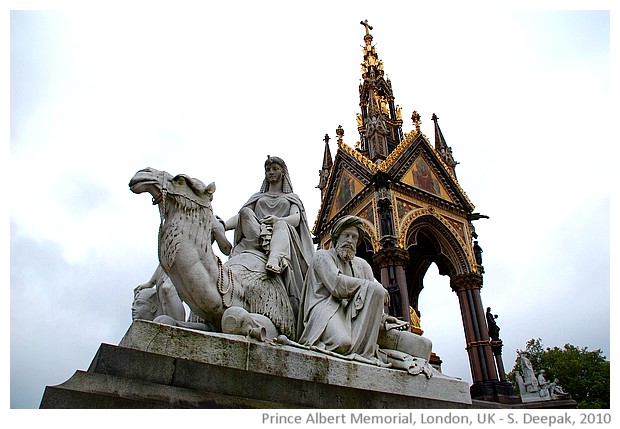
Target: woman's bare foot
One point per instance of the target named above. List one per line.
(274, 264)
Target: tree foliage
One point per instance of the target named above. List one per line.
(582, 373)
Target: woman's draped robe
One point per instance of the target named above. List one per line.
(297, 253)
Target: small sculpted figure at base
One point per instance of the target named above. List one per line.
(167, 295)
(145, 305)
(237, 320)
(164, 304)
(342, 308)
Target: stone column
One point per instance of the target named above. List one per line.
(392, 261)
(484, 333)
(467, 287)
(484, 354)
(470, 336)
(496, 346)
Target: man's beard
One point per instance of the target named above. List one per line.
(345, 253)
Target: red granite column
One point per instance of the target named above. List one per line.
(467, 288)
(484, 334)
(474, 361)
(392, 261)
(401, 279)
(497, 352)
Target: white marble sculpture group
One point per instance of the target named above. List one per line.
(533, 386)
(274, 285)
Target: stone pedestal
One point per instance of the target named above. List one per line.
(159, 366)
(494, 391)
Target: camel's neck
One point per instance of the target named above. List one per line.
(184, 223)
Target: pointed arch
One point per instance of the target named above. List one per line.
(429, 238)
(453, 252)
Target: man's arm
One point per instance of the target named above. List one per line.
(327, 272)
(152, 281)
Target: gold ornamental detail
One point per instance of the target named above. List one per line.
(358, 156)
(397, 152)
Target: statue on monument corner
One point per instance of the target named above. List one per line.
(478, 252)
(394, 291)
(341, 310)
(549, 388)
(533, 386)
(492, 325)
(386, 222)
(527, 374)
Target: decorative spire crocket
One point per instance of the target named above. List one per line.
(326, 168)
(442, 148)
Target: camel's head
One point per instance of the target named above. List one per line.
(154, 182)
(149, 180)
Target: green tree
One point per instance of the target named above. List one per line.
(582, 373)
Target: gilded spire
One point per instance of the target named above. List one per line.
(380, 121)
(372, 67)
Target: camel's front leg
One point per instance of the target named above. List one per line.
(197, 284)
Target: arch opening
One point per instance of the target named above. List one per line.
(442, 323)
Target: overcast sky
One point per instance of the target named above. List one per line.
(523, 98)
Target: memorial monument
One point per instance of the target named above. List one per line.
(296, 317)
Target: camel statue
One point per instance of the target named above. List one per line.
(211, 289)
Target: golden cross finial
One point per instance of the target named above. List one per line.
(365, 24)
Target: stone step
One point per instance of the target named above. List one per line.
(159, 366)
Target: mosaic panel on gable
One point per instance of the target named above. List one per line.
(348, 187)
(421, 176)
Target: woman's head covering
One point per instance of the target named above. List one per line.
(287, 186)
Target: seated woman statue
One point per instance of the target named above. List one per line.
(271, 231)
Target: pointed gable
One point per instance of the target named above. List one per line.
(349, 180)
(422, 176)
(348, 187)
(416, 164)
